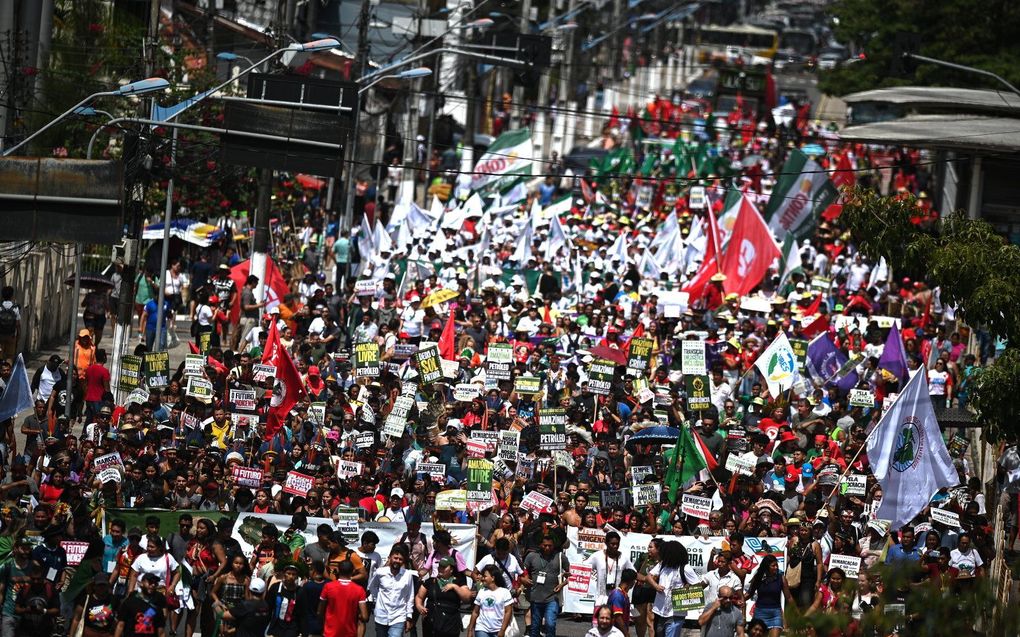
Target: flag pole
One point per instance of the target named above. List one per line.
(864, 445)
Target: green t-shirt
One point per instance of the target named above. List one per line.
(342, 250)
(14, 579)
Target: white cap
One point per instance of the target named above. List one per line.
(397, 493)
(257, 585)
(455, 423)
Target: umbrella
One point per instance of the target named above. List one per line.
(813, 149)
(91, 281)
(657, 435)
(439, 296)
(610, 354)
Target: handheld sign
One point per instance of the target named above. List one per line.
(396, 420)
(699, 393)
(696, 506)
(298, 483)
(479, 482)
(499, 361)
(366, 359)
(552, 429)
(243, 399)
(430, 368)
(529, 385)
(692, 358)
(247, 476)
(509, 445)
(156, 369)
(646, 494)
(600, 377)
(130, 372)
(259, 372)
(640, 355)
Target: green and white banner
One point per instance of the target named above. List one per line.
(801, 193)
(511, 155)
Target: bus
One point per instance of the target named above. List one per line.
(718, 39)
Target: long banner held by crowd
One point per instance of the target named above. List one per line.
(635, 545)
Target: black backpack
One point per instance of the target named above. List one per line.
(8, 319)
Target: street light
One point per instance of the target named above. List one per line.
(227, 56)
(141, 87)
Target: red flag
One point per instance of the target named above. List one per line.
(288, 389)
(812, 309)
(639, 331)
(816, 327)
(844, 174)
(713, 248)
(447, 342)
(750, 252)
(696, 286)
(546, 315)
(276, 286)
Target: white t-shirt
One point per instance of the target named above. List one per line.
(512, 566)
(157, 566)
(204, 315)
(412, 321)
(937, 382)
(967, 563)
(492, 605)
(669, 579)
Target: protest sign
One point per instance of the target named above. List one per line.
(591, 539)
(200, 388)
(851, 564)
(741, 463)
(430, 369)
(365, 287)
(499, 360)
(259, 372)
(348, 469)
(451, 500)
(528, 385)
(243, 399)
(525, 468)
(536, 502)
(466, 392)
(799, 347)
(944, 516)
(364, 440)
(692, 358)
(687, 598)
(828, 475)
(509, 444)
(396, 420)
(194, 365)
(489, 438)
(600, 377)
(243, 424)
(130, 372)
(646, 494)
(434, 469)
(579, 578)
(696, 506)
(552, 429)
(476, 448)
(855, 484)
(347, 524)
(366, 359)
(699, 393)
(639, 473)
(110, 474)
(75, 551)
(958, 446)
(403, 351)
(297, 483)
(479, 481)
(662, 396)
(156, 369)
(640, 356)
(106, 461)
(317, 414)
(247, 476)
(862, 398)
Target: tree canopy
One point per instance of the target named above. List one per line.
(975, 270)
(978, 33)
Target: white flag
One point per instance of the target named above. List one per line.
(557, 238)
(908, 456)
(619, 248)
(778, 365)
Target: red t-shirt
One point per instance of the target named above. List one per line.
(97, 378)
(342, 599)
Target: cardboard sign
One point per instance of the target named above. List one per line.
(699, 393)
(489, 438)
(851, 564)
(200, 388)
(298, 483)
(364, 440)
(347, 523)
(692, 358)
(347, 469)
(536, 502)
(317, 414)
(476, 448)
(696, 506)
(250, 477)
(430, 369)
(156, 369)
(466, 392)
(365, 287)
(451, 500)
(741, 463)
(528, 385)
(579, 579)
(479, 481)
(243, 399)
(259, 372)
(499, 361)
(130, 372)
(509, 445)
(552, 429)
(600, 377)
(194, 365)
(855, 484)
(943, 516)
(434, 469)
(110, 474)
(107, 461)
(687, 598)
(639, 473)
(640, 357)
(396, 420)
(591, 539)
(366, 359)
(75, 551)
(862, 398)
(646, 494)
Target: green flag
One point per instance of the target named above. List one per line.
(685, 461)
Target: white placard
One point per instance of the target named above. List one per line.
(856, 484)
(348, 469)
(696, 506)
(509, 445)
(536, 502)
(646, 494)
(243, 399)
(466, 392)
(943, 516)
(741, 463)
(692, 358)
(850, 564)
(639, 473)
(861, 398)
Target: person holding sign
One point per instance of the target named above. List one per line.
(672, 574)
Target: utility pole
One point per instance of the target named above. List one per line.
(133, 217)
(260, 242)
(357, 71)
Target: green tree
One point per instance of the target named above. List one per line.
(975, 269)
(978, 33)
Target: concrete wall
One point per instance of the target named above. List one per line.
(38, 280)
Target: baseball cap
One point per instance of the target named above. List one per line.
(257, 585)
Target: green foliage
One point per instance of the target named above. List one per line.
(978, 33)
(976, 271)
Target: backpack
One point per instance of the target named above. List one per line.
(8, 318)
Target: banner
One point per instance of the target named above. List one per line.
(634, 546)
(509, 157)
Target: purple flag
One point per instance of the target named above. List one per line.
(824, 362)
(894, 357)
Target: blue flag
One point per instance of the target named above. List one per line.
(894, 357)
(18, 393)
